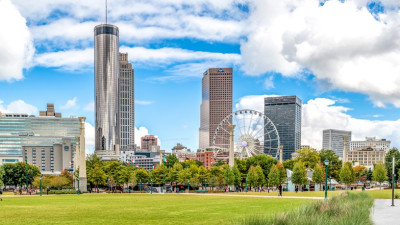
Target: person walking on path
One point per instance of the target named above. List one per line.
(280, 190)
(1, 192)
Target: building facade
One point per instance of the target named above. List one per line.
(334, 140)
(147, 141)
(215, 106)
(106, 69)
(207, 158)
(126, 103)
(27, 135)
(367, 156)
(285, 113)
(376, 144)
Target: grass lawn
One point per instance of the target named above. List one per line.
(139, 209)
(380, 194)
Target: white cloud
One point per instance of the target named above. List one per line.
(322, 113)
(140, 102)
(269, 83)
(70, 104)
(74, 59)
(90, 107)
(18, 106)
(342, 44)
(16, 47)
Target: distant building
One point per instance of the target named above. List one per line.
(48, 141)
(334, 140)
(207, 158)
(373, 142)
(178, 146)
(147, 141)
(285, 113)
(366, 156)
(215, 106)
(126, 103)
(305, 147)
(184, 154)
(141, 159)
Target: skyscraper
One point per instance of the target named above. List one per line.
(147, 141)
(106, 69)
(215, 106)
(333, 140)
(285, 113)
(126, 102)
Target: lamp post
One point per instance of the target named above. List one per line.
(151, 180)
(246, 184)
(109, 187)
(26, 162)
(326, 177)
(330, 183)
(393, 181)
(79, 189)
(164, 178)
(140, 185)
(41, 185)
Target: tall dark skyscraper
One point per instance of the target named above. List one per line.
(215, 106)
(126, 102)
(106, 70)
(285, 113)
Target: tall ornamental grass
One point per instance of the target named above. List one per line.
(344, 209)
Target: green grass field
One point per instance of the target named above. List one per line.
(379, 194)
(139, 209)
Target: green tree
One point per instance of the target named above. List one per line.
(389, 162)
(158, 175)
(219, 162)
(204, 175)
(171, 160)
(282, 173)
(238, 176)
(274, 176)
(184, 176)
(318, 175)
(229, 176)
(379, 174)
(252, 177)
(299, 175)
(289, 164)
(242, 167)
(173, 174)
(309, 157)
(216, 177)
(1, 176)
(347, 174)
(97, 176)
(142, 175)
(15, 173)
(264, 161)
(335, 165)
(260, 176)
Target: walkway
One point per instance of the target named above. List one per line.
(384, 214)
(254, 196)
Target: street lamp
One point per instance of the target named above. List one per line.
(41, 185)
(246, 184)
(326, 177)
(26, 161)
(109, 187)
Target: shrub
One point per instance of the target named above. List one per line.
(347, 208)
(397, 195)
(58, 192)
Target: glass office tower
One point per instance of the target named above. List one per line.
(106, 69)
(285, 113)
(19, 130)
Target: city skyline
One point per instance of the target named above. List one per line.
(52, 61)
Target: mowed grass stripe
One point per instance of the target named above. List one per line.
(139, 209)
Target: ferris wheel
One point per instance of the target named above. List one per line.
(253, 133)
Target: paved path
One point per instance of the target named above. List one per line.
(385, 214)
(254, 196)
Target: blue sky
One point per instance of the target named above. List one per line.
(340, 58)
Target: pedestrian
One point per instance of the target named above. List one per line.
(20, 191)
(47, 190)
(30, 191)
(1, 192)
(280, 190)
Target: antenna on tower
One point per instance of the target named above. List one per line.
(106, 11)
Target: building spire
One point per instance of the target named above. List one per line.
(106, 11)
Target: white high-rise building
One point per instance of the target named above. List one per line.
(334, 140)
(373, 142)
